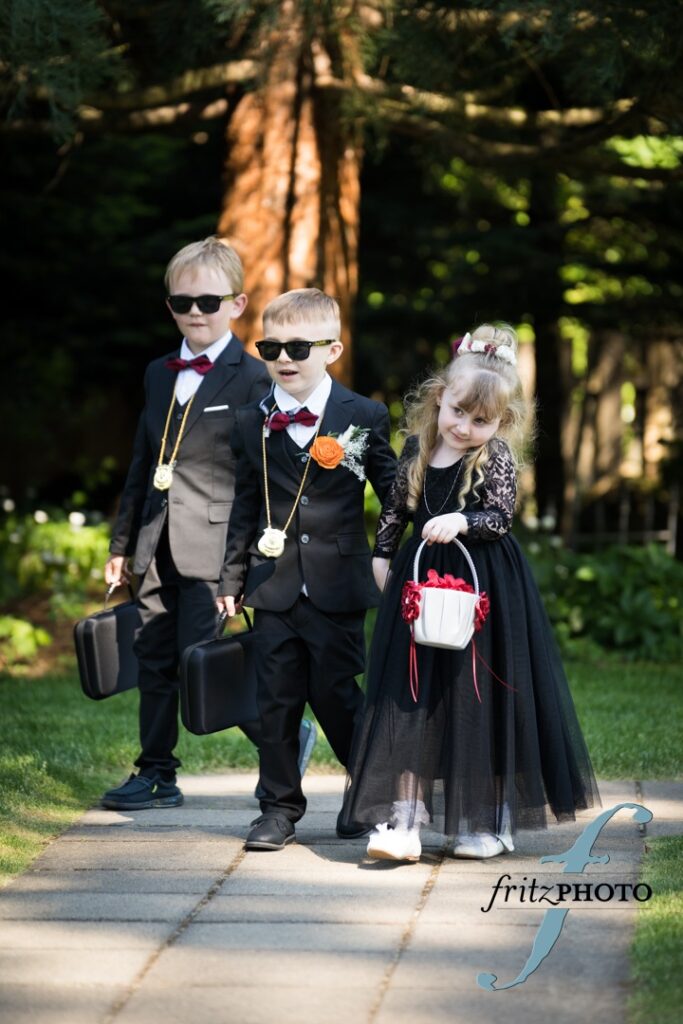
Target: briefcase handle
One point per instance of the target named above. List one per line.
(223, 618)
(110, 590)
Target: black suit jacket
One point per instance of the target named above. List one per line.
(198, 504)
(326, 544)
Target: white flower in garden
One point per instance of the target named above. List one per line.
(77, 519)
(40, 516)
(8, 505)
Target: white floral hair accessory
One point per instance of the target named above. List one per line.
(469, 345)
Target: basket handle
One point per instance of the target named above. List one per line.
(468, 559)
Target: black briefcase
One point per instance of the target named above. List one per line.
(218, 682)
(104, 650)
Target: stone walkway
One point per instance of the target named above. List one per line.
(160, 916)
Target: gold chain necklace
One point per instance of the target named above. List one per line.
(272, 540)
(163, 474)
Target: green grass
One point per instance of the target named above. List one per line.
(657, 951)
(60, 751)
(631, 714)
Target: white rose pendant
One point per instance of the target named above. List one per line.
(163, 477)
(272, 542)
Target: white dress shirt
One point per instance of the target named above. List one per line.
(315, 403)
(189, 380)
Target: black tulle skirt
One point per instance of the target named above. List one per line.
(515, 755)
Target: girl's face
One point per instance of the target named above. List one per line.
(462, 430)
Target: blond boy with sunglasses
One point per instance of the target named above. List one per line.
(297, 549)
(176, 501)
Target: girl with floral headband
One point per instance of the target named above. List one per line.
(480, 741)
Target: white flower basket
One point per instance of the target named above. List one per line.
(446, 616)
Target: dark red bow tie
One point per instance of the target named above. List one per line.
(281, 420)
(201, 364)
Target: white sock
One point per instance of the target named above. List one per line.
(403, 812)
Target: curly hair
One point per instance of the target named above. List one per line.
(487, 384)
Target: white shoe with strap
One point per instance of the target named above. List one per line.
(480, 845)
(387, 843)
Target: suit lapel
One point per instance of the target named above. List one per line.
(337, 417)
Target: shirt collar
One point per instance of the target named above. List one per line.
(212, 352)
(315, 402)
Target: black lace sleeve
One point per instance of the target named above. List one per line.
(492, 516)
(395, 513)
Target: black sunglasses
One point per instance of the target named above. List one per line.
(205, 303)
(296, 349)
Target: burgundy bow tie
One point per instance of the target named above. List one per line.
(281, 420)
(201, 364)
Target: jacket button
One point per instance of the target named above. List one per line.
(179, 415)
(304, 500)
(305, 538)
(164, 502)
(304, 458)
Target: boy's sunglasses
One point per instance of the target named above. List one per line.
(296, 349)
(205, 303)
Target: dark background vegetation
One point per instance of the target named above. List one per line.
(433, 165)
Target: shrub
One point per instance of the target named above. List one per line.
(623, 598)
(54, 554)
(19, 641)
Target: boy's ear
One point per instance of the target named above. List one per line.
(335, 350)
(239, 304)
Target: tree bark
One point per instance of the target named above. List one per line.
(552, 361)
(292, 198)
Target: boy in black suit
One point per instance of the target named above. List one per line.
(297, 549)
(176, 502)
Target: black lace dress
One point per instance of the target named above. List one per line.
(493, 766)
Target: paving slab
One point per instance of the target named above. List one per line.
(240, 1004)
(160, 915)
(114, 881)
(70, 1004)
(95, 906)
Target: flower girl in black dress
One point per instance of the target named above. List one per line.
(485, 744)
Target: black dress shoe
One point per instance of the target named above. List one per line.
(270, 832)
(352, 830)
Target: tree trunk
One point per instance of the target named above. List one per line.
(292, 197)
(552, 356)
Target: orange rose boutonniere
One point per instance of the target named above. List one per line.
(346, 450)
(327, 452)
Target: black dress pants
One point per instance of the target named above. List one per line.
(304, 654)
(176, 611)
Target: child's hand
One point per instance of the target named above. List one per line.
(116, 571)
(229, 606)
(443, 529)
(380, 570)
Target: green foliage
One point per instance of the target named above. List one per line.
(56, 555)
(622, 598)
(56, 49)
(20, 640)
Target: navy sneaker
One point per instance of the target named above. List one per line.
(140, 793)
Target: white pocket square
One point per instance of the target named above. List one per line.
(216, 408)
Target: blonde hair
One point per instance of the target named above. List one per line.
(490, 387)
(303, 304)
(211, 252)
